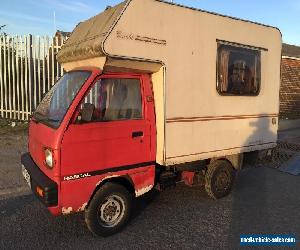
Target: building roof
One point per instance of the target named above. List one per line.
(290, 50)
(62, 33)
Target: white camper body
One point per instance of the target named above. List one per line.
(197, 117)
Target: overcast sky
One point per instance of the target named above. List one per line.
(37, 16)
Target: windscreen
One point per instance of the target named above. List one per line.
(54, 106)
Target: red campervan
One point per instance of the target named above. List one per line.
(89, 129)
(192, 107)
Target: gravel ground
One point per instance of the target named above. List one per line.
(13, 144)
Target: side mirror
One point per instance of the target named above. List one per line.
(87, 112)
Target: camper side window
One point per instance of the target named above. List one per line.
(239, 70)
(114, 99)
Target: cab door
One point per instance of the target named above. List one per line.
(119, 133)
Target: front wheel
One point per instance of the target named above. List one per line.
(109, 210)
(219, 179)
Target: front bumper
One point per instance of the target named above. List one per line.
(39, 181)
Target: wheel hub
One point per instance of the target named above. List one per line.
(111, 211)
(222, 181)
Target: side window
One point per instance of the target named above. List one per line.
(238, 70)
(115, 99)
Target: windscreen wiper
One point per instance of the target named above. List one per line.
(43, 118)
(37, 119)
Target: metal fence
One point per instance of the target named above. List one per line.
(28, 69)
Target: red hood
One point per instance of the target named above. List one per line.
(41, 137)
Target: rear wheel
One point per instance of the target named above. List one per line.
(109, 210)
(219, 179)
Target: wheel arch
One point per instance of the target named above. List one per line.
(124, 181)
(235, 160)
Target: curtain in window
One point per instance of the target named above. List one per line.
(254, 75)
(223, 69)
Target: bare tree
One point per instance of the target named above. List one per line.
(1, 28)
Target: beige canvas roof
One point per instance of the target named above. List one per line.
(86, 39)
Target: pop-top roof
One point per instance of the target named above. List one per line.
(86, 39)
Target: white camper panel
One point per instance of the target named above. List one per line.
(199, 122)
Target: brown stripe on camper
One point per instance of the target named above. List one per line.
(219, 150)
(219, 118)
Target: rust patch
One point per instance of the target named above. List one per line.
(142, 191)
(82, 208)
(67, 210)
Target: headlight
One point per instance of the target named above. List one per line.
(49, 158)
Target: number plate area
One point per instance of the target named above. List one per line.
(26, 176)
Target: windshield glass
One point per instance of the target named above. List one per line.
(57, 101)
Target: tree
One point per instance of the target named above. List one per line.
(2, 27)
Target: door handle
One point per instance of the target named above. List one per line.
(137, 134)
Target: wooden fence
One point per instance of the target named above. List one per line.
(28, 69)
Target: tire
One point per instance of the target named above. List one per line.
(219, 179)
(109, 210)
